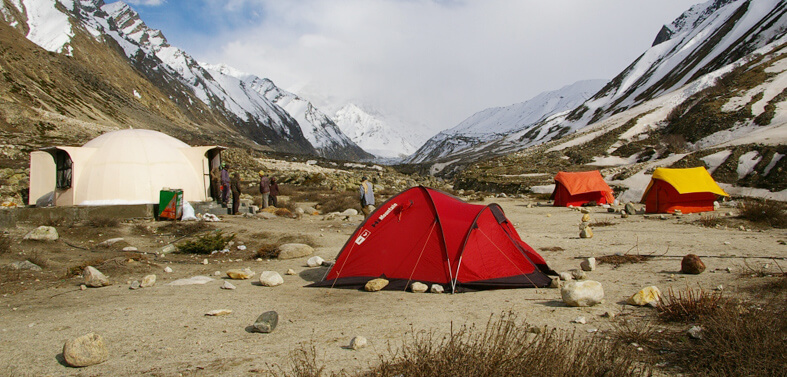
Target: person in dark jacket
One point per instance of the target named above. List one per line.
(235, 187)
(265, 188)
(225, 184)
(274, 192)
(215, 184)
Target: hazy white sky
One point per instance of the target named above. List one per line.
(434, 61)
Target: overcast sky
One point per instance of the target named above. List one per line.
(434, 61)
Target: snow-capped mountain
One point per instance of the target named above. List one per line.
(509, 126)
(62, 26)
(381, 135)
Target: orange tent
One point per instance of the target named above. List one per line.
(578, 188)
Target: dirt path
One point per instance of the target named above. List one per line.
(162, 330)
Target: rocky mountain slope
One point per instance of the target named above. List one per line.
(711, 91)
(141, 81)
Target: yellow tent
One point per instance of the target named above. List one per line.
(688, 190)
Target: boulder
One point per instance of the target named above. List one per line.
(437, 288)
(418, 287)
(691, 264)
(589, 264)
(85, 350)
(646, 296)
(25, 265)
(375, 285)
(582, 293)
(237, 274)
(315, 261)
(148, 281)
(94, 278)
(294, 250)
(42, 233)
(271, 279)
(630, 209)
(266, 322)
(358, 342)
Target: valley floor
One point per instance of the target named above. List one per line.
(163, 331)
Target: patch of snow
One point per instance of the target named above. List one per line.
(49, 27)
(136, 94)
(713, 161)
(546, 189)
(638, 182)
(754, 192)
(613, 160)
(747, 162)
(774, 160)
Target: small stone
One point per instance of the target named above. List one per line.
(25, 265)
(691, 264)
(437, 288)
(566, 276)
(358, 342)
(227, 285)
(624, 215)
(586, 218)
(167, 269)
(375, 285)
(271, 279)
(82, 287)
(586, 233)
(582, 293)
(194, 280)
(148, 281)
(218, 312)
(266, 322)
(695, 332)
(315, 261)
(577, 274)
(130, 249)
(418, 287)
(110, 242)
(290, 271)
(216, 273)
(554, 282)
(94, 278)
(85, 350)
(609, 315)
(42, 233)
(728, 269)
(645, 296)
(586, 212)
(168, 249)
(205, 261)
(134, 285)
(294, 250)
(630, 209)
(589, 264)
(580, 320)
(238, 274)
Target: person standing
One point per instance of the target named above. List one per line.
(235, 188)
(274, 192)
(367, 197)
(265, 188)
(215, 184)
(225, 184)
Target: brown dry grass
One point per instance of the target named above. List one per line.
(602, 223)
(551, 248)
(618, 260)
(5, 243)
(765, 212)
(102, 222)
(185, 228)
(688, 304)
(709, 221)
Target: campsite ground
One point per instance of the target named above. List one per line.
(163, 331)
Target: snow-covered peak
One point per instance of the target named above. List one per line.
(382, 136)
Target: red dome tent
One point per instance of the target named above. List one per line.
(578, 188)
(688, 190)
(431, 237)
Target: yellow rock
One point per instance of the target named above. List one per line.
(586, 218)
(239, 274)
(375, 285)
(645, 296)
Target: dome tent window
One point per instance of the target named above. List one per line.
(63, 165)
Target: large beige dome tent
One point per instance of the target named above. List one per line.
(121, 167)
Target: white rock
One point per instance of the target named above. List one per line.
(437, 288)
(85, 350)
(358, 342)
(110, 242)
(294, 250)
(580, 320)
(42, 233)
(290, 271)
(695, 332)
(315, 261)
(227, 285)
(94, 277)
(148, 281)
(589, 264)
(218, 312)
(578, 274)
(168, 249)
(216, 273)
(350, 212)
(134, 285)
(167, 269)
(205, 261)
(271, 279)
(418, 287)
(582, 293)
(194, 280)
(130, 249)
(566, 276)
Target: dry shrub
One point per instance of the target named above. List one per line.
(709, 221)
(633, 331)
(767, 212)
(102, 222)
(551, 248)
(737, 340)
(297, 238)
(283, 212)
(602, 223)
(688, 304)
(5, 243)
(267, 251)
(206, 243)
(185, 228)
(143, 229)
(77, 269)
(342, 201)
(58, 222)
(505, 347)
(618, 260)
